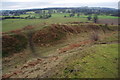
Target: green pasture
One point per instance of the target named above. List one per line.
(12, 24)
(31, 12)
(107, 17)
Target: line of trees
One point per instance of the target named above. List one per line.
(44, 16)
(85, 10)
(11, 18)
(72, 15)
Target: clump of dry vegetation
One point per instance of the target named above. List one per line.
(13, 43)
(95, 36)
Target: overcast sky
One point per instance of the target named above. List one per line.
(28, 4)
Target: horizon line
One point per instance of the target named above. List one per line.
(59, 7)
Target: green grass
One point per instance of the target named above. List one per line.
(101, 62)
(113, 38)
(12, 24)
(30, 12)
(107, 17)
(24, 15)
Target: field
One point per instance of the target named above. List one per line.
(108, 21)
(12, 24)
